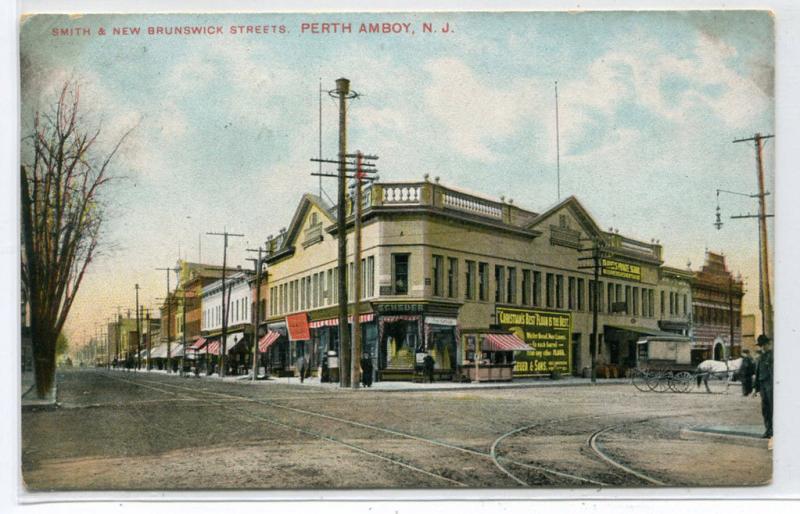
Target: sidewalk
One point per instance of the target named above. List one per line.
(30, 400)
(398, 385)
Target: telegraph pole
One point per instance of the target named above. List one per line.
(169, 320)
(223, 343)
(149, 340)
(596, 266)
(138, 333)
(767, 319)
(258, 263)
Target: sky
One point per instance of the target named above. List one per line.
(225, 125)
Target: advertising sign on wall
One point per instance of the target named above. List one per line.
(298, 327)
(612, 268)
(548, 333)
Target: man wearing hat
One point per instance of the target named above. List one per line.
(746, 371)
(763, 384)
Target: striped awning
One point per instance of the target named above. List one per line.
(198, 344)
(268, 340)
(213, 347)
(334, 322)
(503, 343)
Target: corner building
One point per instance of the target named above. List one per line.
(453, 274)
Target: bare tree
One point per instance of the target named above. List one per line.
(61, 186)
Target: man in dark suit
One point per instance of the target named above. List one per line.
(764, 385)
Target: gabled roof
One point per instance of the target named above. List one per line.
(579, 211)
(306, 202)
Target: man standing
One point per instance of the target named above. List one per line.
(366, 370)
(763, 385)
(301, 366)
(746, 371)
(427, 366)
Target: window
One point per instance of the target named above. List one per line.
(537, 288)
(651, 302)
(610, 297)
(559, 291)
(644, 302)
(336, 284)
(438, 265)
(581, 287)
(685, 304)
(511, 286)
(549, 289)
(627, 299)
(452, 277)
(483, 281)
(499, 280)
(370, 276)
(663, 301)
(469, 292)
(400, 273)
(635, 299)
(571, 293)
(526, 287)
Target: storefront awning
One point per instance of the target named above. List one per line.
(644, 331)
(334, 322)
(159, 352)
(198, 344)
(503, 343)
(213, 348)
(175, 350)
(267, 340)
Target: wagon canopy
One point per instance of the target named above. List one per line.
(645, 331)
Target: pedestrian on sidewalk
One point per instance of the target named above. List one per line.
(427, 367)
(301, 367)
(763, 385)
(366, 370)
(746, 371)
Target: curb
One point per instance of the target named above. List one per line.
(732, 437)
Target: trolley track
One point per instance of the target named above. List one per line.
(498, 460)
(573, 478)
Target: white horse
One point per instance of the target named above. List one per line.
(707, 367)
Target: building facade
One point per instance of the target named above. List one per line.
(717, 310)
(442, 269)
(239, 324)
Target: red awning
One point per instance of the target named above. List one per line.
(213, 348)
(269, 338)
(503, 343)
(334, 322)
(198, 344)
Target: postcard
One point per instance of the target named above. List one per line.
(396, 250)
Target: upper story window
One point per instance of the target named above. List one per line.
(483, 281)
(452, 277)
(438, 274)
(469, 292)
(499, 279)
(400, 270)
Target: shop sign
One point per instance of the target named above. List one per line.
(437, 320)
(548, 333)
(612, 268)
(298, 327)
(400, 307)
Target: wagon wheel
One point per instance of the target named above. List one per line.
(657, 381)
(681, 382)
(639, 380)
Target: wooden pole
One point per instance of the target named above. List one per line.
(342, 91)
(355, 355)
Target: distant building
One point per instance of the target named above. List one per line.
(717, 310)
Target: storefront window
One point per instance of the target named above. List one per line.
(401, 343)
(442, 347)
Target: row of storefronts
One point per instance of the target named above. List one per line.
(486, 289)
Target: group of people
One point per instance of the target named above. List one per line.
(756, 377)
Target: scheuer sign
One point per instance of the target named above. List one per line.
(548, 333)
(612, 268)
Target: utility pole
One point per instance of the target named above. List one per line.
(355, 355)
(149, 340)
(258, 263)
(347, 362)
(730, 311)
(766, 314)
(169, 320)
(596, 266)
(223, 343)
(138, 333)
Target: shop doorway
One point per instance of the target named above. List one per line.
(576, 353)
